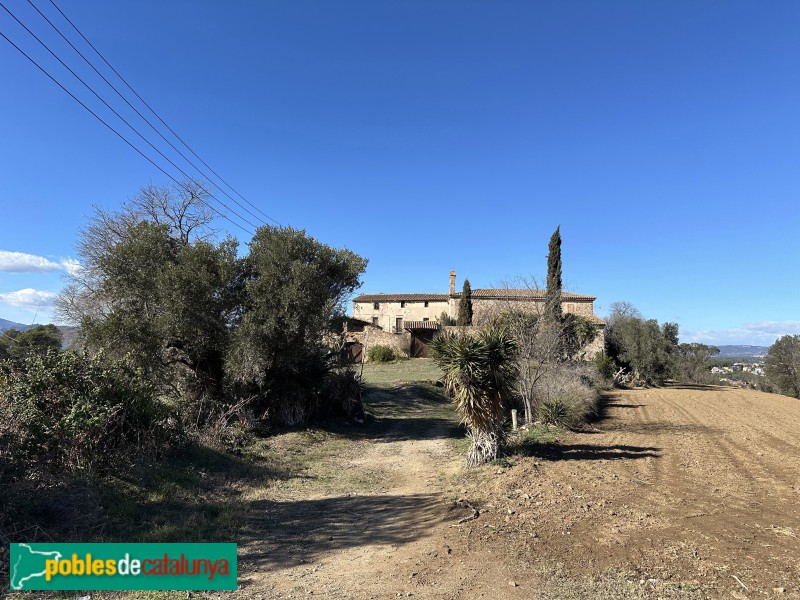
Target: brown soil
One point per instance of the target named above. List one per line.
(676, 492)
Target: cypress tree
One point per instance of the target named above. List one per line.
(553, 296)
(465, 305)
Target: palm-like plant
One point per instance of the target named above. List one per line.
(479, 374)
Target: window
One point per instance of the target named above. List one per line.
(426, 304)
(402, 303)
(398, 325)
(425, 319)
(376, 305)
(375, 321)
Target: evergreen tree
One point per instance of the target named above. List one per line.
(553, 296)
(465, 305)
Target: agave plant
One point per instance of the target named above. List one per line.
(479, 375)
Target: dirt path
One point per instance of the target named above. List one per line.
(366, 544)
(678, 492)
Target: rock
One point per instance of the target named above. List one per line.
(779, 590)
(513, 583)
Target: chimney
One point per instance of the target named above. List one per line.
(452, 283)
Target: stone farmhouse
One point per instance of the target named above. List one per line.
(407, 322)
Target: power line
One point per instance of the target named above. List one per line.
(145, 119)
(150, 108)
(118, 134)
(119, 116)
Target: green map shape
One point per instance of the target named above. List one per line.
(29, 565)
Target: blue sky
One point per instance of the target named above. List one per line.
(663, 137)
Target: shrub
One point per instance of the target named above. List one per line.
(342, 393)
(62, 413)
(605, 365)
(445, 320)
(381, 353)
(566, 396)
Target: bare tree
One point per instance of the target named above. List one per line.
(539, 341)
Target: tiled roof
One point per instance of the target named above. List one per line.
(484, 293)
(595, 319)
(402, 297)
(521, 294)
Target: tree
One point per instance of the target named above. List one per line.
(465, 305)
(445, 319)
(537, 346)
(294, 286)
(16, 344)
(641, 346)
(183, 210)
(168, 306)
(156, 290)
(693, 361)
(783, 365)
(553, 294)
(479, 375)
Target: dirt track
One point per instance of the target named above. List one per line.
(697, 487)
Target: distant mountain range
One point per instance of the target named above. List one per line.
(4, 324)
(68, 333)
(743, 351)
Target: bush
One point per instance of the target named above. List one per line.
(566, 396)
(61, 414)
(381, 354)
(342, 392)
(605, 365)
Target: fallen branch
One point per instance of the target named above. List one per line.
(475, 512)
(740, 583)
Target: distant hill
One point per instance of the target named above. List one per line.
(4, 324)
(68, 334)
(743, 351)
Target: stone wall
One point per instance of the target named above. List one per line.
(595, 346)
(484, 310)
(586, 353)
(375, 336)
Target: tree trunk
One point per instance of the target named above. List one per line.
(484, 447)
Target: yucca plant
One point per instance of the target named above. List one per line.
(479, 375)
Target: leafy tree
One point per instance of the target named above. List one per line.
(294, 286)
(183, 210)
(693, 361)
(641, 346)
(465, 305)
(670, 332)
(479, 374)
(156, 290)
(167, 308)
(783, 365)
(213, 331)
(16, 344)
(553, 293)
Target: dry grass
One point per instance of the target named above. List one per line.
(411, 370)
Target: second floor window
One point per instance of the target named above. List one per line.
(376, 305)
(426, 304)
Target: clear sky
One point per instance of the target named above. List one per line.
(662, 136)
